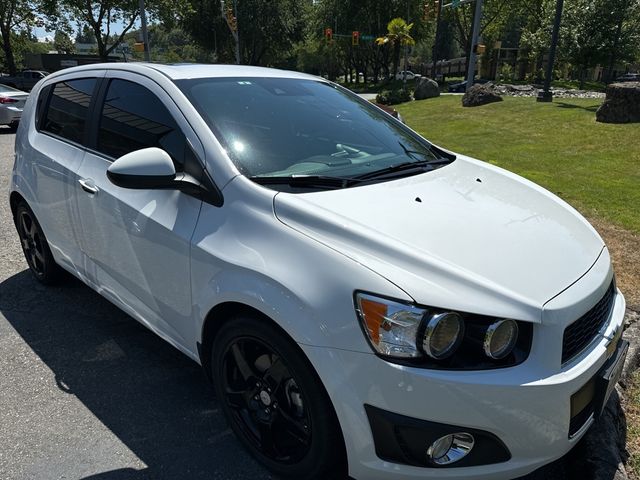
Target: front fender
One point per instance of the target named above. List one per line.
(242, 253)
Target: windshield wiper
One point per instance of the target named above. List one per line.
(440, 156)
(400, 167)
(409, 153)
(318, 181)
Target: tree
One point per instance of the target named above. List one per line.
(268, 30)
(599, 32)
(85, 35)
(494, 18)
(62, 42)
(15, 15)
(536, 18)
(169, 45)
(370, 18)
(99, 17)
(398, 35)
(625, 38)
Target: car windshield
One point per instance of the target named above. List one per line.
(286, 128)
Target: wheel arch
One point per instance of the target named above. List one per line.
(213, 322)
(225, 312)
(14, 199)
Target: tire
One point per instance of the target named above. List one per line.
(13, 126)
(274, 401)
(35, 246)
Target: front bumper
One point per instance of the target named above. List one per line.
(527, 407)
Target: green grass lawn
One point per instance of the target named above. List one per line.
(593, 166)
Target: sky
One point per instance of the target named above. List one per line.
(116, 27)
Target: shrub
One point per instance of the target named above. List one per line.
(506, 73)
(392, 97)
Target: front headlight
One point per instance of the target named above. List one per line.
(443, 333)
(441, 339)
(392, 327)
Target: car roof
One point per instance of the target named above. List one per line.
(179, 71)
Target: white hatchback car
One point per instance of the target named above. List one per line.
(360, 297)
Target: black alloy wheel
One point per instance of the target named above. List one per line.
(274, 401)
(35, 247)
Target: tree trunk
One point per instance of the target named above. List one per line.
(396, 58)
(102, 46)
(539, 63)
(9, 59)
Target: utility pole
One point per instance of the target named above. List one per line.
(547, 95)
(406, 54)
(145, 33)
(436, 42)
(471, 71)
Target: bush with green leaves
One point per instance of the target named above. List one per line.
(392, 97)
(506, 73)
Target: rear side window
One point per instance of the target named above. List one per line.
(133, 118)
(42, 103)
(66, 115)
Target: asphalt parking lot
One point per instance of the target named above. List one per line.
(88, 393)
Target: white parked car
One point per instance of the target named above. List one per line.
(11, 104)
(361, 298)
(409, 74)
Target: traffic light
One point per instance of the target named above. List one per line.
(328, 34)
(355, 38)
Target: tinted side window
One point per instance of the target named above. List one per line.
(68, 107)
(42, 102)
(134, 118)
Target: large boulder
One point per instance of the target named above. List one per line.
(622, 104)
(426, 88)
(480, 95)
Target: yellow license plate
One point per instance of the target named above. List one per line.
(611, 347)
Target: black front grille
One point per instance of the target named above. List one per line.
(581, 332)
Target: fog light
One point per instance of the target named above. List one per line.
(450, 448)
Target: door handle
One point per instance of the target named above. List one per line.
(88, 186)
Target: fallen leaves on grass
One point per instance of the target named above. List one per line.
(632, 412)
(624, 248)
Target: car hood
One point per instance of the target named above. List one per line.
(467, 236)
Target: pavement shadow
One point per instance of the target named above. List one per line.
(6, 130)
(159, 403)
(151, 396)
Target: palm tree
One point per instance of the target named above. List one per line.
(398, 35)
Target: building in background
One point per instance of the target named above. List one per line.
(52, 62)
